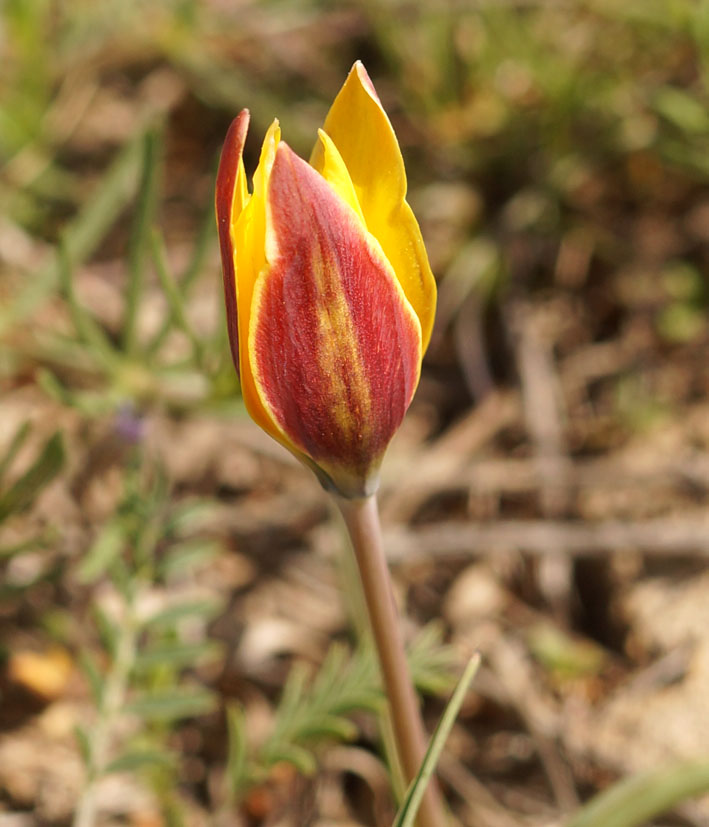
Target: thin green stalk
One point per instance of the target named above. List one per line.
(174, 297)
(186, 281)
(86, 327)
(407, 813)
(362, 520)
(140, 239)
(82, 235)
(18, 440)
(112, 702)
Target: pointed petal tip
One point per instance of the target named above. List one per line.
(365, 80)
(229, 165)
(229, 196)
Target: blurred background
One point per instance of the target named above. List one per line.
(176, 644)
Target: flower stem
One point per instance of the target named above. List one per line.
(110, 708)
(362, 521)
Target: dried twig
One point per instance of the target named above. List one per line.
(661, 536)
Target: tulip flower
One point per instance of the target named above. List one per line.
(329, 294)
(330, 302)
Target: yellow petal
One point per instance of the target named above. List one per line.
(249, 241)
(241, 191)
(363, 134)
(333, 170)
(334, 345)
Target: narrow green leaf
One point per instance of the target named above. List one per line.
(293, 692)
(138, 760)
(236, 759)
(190, 516)
(82, 739)
(93, 676)
(431, 662)
(194, 268)
(103, 551)
(409, 807)
(185, 557)
(144, 215)
(17, 441)
(634, 801)
(683, 109)
(107, 632)
(172, 704)
(7, 552)
(123, 578)
(22, 493)
(86, 326)
(173, 295)
(173, 614)
(83, 234)
(328, 726)
(177, 654)
(302, 759)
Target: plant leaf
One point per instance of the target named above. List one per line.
(103, 551)
(177, 654)
(140, 759)
(170, 705)
(409, 807)
(22, 493)
(635, 800)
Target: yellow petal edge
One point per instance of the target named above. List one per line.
(360, 129)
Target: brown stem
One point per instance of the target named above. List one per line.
(362, 521)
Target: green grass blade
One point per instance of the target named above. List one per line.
(634, 801)
(237, 766)
(172, 705)
(86, 326)
(206, 232)
(20, 495)
(140, 237)
(18, 440)
(141, 759)
(409, 807)
(83, 234)
(174, 297)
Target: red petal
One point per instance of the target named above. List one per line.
(335, 345)
(224, 201)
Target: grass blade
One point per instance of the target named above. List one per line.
(140, 237)
(49, 463)
(170, 705)
(634, 801)
(18, 440)
(86, 327)
(409, 807)
(199, 253)
(83, 234)
(174, 297)
(236, 767)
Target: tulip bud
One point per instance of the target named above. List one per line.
(329, 295)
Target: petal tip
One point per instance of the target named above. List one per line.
(229, 164)
(227, 205)
(365, 80)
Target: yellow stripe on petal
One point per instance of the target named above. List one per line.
(334, 344)
(241, 192)
(361, 131)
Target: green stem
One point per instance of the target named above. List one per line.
(362, 520)
(112, 701)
